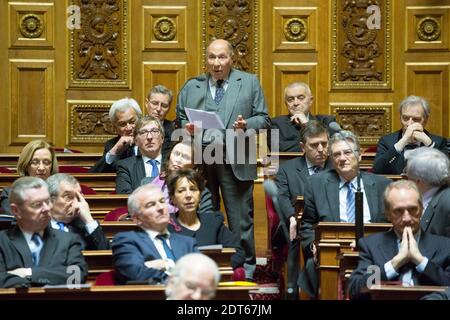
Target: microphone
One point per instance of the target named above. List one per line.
(359, 211)
(335, 127)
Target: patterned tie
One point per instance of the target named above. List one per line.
(154, 164)
(35, 255)
(169, 252)
(350, 202)
(316, 169)
(220, 91)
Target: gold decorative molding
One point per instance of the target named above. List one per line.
(99, 50)
(237, 22)
(89, 122)
(295, 30)
(164, 29)
(31, 26)
(428, 29)
(361, 56)
(369, 121)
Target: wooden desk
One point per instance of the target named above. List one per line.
(397, 292)
(100, 261)
(126, 292)
(101, 204)
(334, 238)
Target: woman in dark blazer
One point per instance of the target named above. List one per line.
(185, 187)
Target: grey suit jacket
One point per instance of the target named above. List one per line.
(436, 218)
(379, 248)
(244, 97)
(322, 201)
(130, 172)
(61, 250)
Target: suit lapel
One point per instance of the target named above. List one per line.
(233, 89)
(149, 243)
(177, 252)
(49, 247)
(371, 195)
(388, 246)
(427, 216)
(18, 240)
(332, 193)
(426, 246)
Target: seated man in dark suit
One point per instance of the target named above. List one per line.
(292, 178)
(32, 253)
(71, 213)
(392, 148)
(405, 253)
(148, 254)
(298, 99)
(330, 196)
(158, 104)
(123, 114)
(429, 169)
(149, 138)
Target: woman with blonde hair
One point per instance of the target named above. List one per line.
(37, 159)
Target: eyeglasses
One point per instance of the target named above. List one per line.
(347, 153)
(36, 162)
(123, 124)
(154, 132)
(413, 211)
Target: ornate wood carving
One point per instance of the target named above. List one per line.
(361, 52)
(31, 26)
(89, 122)
(428, 29)
(164, 29)
(235, 21)
(295, 30)
(99, 49)
(368, 121)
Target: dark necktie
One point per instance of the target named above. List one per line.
(220, 91)
(350, 202)
(36, 253)
(154, 164)
(169, 252)
(316, 169)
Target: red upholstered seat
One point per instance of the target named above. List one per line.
(238, 274)
(5, 170)
(72, 169)
(87, 190)
(106, 279)
(117, 214)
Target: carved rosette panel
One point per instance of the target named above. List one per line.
(368, 121)
(361, 52)
(295, 30)
(235, 21)
(164, 29)
(31, 26)
(428, 29)
(99, 49)
(90, 123)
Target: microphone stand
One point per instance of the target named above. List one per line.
(359, 211)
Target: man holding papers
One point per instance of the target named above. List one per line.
(237, 98)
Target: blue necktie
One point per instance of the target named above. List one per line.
(154, 164)
(61, 226)
(350, 202)
(35, 255)
(220, 91)
(169, 252)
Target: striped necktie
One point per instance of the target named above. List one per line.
(36, 253)
(220, 91)
(167, 249)
(350, 202)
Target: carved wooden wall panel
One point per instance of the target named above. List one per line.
(32, 100)
(89, 122)
(428, 28)
(295, 28)
(164, 27)
(431, 80)
(369, 121)
(237, 22)
(31, 25)
(99, 49)
(285, 73)
(361, 55)
(170, 74)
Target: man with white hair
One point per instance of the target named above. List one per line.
(393, 148)
(194, 277)
(123, 115)
(429, 169)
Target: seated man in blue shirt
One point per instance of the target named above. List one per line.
(405, 253)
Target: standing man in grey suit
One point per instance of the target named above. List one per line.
(330, 196)
(238, 100)
(32, 253)
(430, 170)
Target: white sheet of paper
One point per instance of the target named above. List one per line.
(208, 119)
